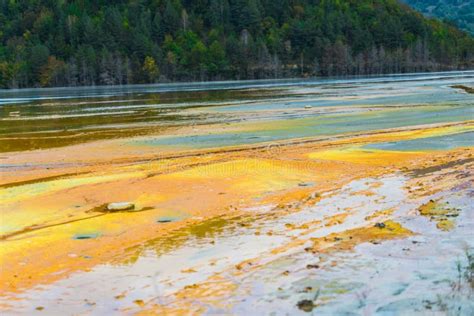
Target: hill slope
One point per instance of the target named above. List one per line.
(458, 12)
(81, 42)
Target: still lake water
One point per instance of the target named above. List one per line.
(45, 118)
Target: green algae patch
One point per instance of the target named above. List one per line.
(441, 213)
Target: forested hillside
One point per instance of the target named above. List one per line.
(458, 12)
(86, 42)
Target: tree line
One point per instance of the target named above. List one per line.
(84, 42)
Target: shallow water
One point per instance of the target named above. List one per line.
(444, 142)
(320, 125)
(44, 118)
(250, 215)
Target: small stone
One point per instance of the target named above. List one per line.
(379, 225)
(306, 184)
(306, 305)
(85, 236)
(167, 219)
(140, 303)
(120, 206)
(315, 195)
(120, 296)
(312, 266)
(90, 303)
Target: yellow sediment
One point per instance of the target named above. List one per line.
(348, 239)
(439, 212)
(379, 214)
(364, 156)
(41, 217)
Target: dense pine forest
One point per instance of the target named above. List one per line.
(457, 12)
(84, 42)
